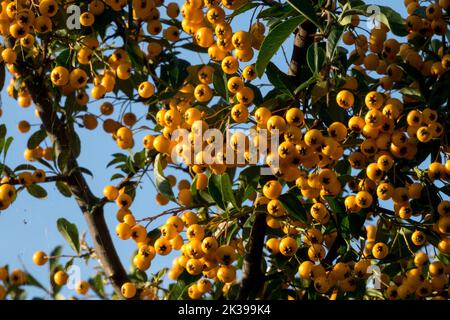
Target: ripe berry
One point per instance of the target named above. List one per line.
(60, 278)
(123, 231)
(82, 287)
(226, 274)
(40, 258)
(128, 290)
(163, 246)
(111, 193)
(225, 254)
(380, 250)
(345, 99)
(288, 246)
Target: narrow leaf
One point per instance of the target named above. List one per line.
(276, 37)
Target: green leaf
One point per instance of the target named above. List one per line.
(227, 190)
(276, 10)
(343, 167)
(215, 190)
(118, 158)
(247, 183)
(36, 139)
(306, 84)
(356, 223)
(395, 21)
(293, 206)
(24, 167)
(8, 142)
(37, 191)
(276, 37)
(193, 47)
(3, 131)
(97, 285)
(220, 83)
(315, 57)
(126, 87)
(306, 8)
(335, 205)
(141, 276)
(176, 290)
(162, 184)
(412, 92)
(70, 233)
(69, 263)
(153, 235)
(31, 281)
(280, 80)
(221, 191)
(46, 164)
(175, 71)
(74, 142)
(62, 160)
(333, 41)
(82, 170)
(117, 176)
(63, 58)
(53, 263)
(63, 189)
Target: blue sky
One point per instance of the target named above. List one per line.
(30, 224)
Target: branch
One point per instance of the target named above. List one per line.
(304, 37)
(57, 131)
(13, 181)
(253, 276)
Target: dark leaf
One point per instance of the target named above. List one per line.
(315, 57)
(162, 184)
(36, 139)
(63, 189)
(37, 191)
(293, 206)
(97, 286)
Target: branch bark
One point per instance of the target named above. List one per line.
(253, 275)
(57, 131)
(304, 37)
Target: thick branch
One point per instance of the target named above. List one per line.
(253, 275)
(304, 37)
(57, 132)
